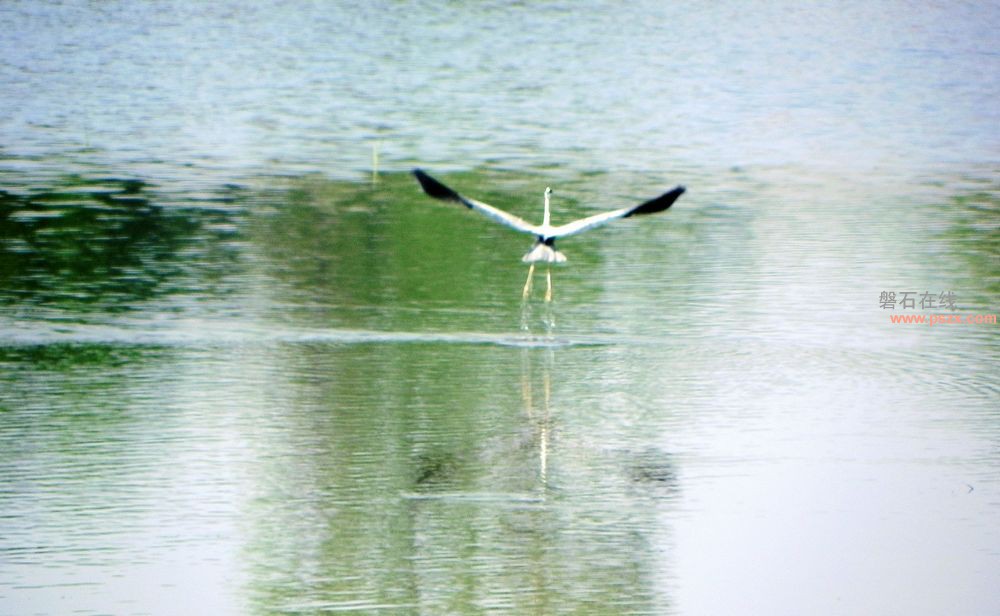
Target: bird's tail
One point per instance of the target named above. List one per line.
(543, 253)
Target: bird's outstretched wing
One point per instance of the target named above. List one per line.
(436, 189)
(652, 206)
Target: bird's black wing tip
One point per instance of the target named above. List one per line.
(658, 204)
(435, 189)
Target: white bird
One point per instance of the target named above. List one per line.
(546, 234)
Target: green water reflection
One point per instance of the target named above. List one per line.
(105, 244)
(328, 395)
(432, 490)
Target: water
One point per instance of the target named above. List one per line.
(237, 376)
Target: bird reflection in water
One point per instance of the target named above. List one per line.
(538, 412)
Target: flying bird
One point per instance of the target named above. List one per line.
(545, 234)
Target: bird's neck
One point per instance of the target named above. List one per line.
(545, 213)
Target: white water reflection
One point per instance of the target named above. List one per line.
(249, 89)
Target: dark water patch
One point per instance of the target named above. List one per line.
(102, 245)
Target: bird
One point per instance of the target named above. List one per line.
(546, 234)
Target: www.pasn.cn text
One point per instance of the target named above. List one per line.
(943, 319)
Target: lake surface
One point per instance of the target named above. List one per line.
(246, 367)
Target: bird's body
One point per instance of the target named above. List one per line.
(544, 250)
(546, 234)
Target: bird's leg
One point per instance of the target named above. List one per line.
(527, 283)
(548, 289)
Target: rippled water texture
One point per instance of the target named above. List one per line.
(246, 367)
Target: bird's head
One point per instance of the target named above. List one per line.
(548, 191)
